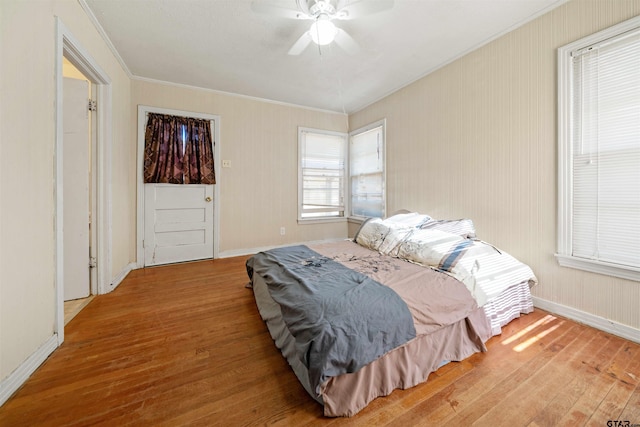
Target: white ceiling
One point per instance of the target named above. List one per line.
(225, 46)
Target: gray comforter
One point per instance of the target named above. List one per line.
(341, 319)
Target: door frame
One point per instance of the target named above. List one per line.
(69, 47)
(143, 110)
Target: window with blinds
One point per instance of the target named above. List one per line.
(599, 170)
(321, 174)
(366, 171)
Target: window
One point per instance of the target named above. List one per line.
(367, 171)
(321, 174)
(599, 152)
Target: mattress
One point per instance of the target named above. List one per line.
(403, 367)
(458, 290)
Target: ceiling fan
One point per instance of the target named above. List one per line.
(323, 12)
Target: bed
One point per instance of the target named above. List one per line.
(357, 319)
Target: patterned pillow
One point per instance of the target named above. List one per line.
(372, 233)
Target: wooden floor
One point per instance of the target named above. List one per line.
(184, 345)
(73, 307)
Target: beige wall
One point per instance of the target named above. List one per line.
(477, 139)
(27, 138)
(259, 192)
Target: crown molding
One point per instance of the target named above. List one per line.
(105, 37)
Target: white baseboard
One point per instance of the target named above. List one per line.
(122, 275)
(251, 251)
(615, 328)
(14, 381)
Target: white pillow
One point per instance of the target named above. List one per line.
(412, 219)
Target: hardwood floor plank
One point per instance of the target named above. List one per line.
(488, 371)
(400, 402)
(519, 383)
(184, 345)
(597, 381)
(583, 377)
(626, 373)
(536, 392)
(631, 411)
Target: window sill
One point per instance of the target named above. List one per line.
(609, 269)
(320, 220)
(356, 219)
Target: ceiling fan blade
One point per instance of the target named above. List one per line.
(362, 8)
(346, 42)
(300, 45)
(304, 7)
(265, 8)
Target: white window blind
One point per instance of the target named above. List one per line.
(321, 174)
(605, 144)
(366, 172)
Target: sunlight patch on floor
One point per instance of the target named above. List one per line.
(544, 321)
(73, 307)
(532, 340)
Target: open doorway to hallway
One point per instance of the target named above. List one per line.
(79, 189)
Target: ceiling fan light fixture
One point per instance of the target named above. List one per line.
(323, 31)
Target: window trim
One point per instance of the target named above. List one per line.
(378, 123)
(320, 220)
(565, 172)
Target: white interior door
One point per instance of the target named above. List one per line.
(76, 163)
(178, 223)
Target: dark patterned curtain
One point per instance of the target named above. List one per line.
(163, 153)
(198, 156)
(178, 150)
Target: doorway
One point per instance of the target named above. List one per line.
(78, 190)
(177, 223)
(99, 200)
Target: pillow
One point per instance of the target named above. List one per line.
(382, 236)
(461, 227)
(409, 219)
(372, 233)
(394, 238)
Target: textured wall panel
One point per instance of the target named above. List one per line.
(477, 139)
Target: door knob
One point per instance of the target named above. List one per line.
(208, 199)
